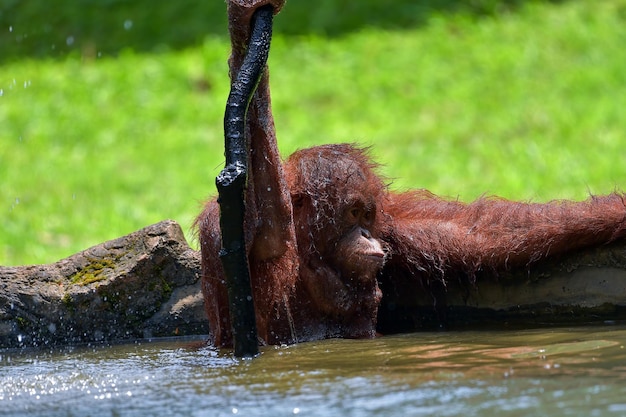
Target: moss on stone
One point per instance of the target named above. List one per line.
(68, 302)
(93, 272)
(22, 322)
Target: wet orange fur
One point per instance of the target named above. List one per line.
(427, 240)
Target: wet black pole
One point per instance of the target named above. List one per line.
(232, 184)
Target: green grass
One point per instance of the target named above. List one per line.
(122, 128)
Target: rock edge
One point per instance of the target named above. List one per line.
(145, 284)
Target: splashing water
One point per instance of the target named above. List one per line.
(566, 371)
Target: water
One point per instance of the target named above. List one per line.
(577, 371)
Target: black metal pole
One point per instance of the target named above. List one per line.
(232, 184)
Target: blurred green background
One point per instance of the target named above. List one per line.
(111, 110)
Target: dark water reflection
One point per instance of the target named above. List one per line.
(565, 371)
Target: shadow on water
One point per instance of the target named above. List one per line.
(37, 29)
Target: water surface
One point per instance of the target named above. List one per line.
(577, 371)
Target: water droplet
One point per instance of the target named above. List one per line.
(69, 40)
(10, 28)
(19, 338)
(1, 92)
(128, 24)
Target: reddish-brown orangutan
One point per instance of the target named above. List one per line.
(335, 194)
(354, 237)
(328, 244)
